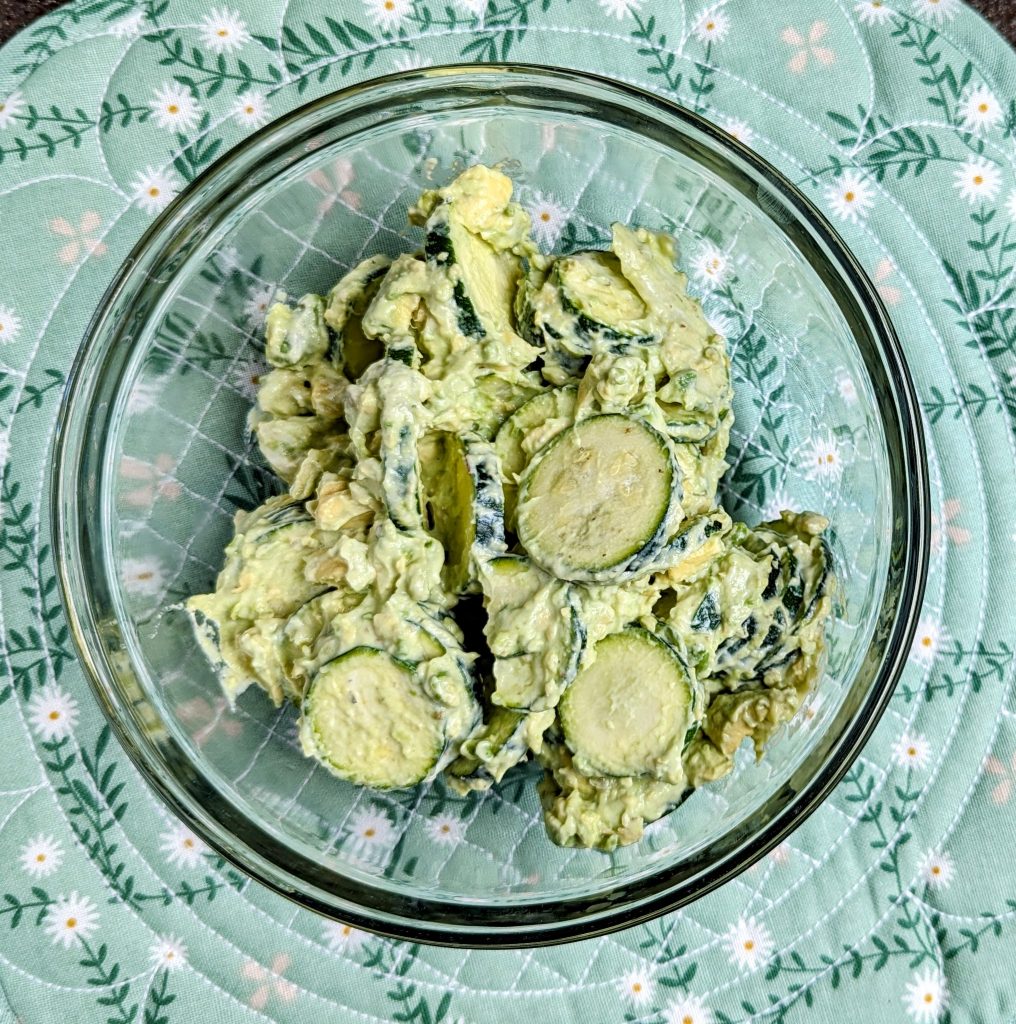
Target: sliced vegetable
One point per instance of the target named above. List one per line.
(369, 720)
(600, 500)
(500, 743)
(628, 712)
(352, 351)
(539, 420)
(534, 630)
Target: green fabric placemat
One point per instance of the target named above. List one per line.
(896, 900)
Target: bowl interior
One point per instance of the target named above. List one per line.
(176, 462)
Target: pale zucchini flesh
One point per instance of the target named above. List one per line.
(603, 493)
(629, 711)
(368, 719)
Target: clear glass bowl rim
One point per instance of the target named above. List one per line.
(75, 501)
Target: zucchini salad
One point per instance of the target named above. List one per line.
(501, 538)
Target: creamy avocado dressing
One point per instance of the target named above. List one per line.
(478, 422)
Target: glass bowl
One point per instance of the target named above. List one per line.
(153, 458)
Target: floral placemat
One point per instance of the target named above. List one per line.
(898, 898)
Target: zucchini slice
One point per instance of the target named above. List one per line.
(351, 350)
(463, 505)
(476, 237)
(539, 420)
(534, 630)
(369, 720)
(501, 742)
(600, 501)
(629, 711)
(597, 294)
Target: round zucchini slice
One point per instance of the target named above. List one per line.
(604, 494)
(368, 719)
(597, 292)
(539, 411)
(629, 711)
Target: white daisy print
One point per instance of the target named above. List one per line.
(929, 639)
(388, 15)
(926, 996)
(444, 829)
(41, 856)
(912, 751)
(749, 943)
(548, 219)
(689, 1010)
(977, 179)
(636, 986)
(822, 458)
(251, 109)
(10, 108)
(937, 869)
(154, 190)
(223, 31)
(850, 197)
(245, 376)
(372, 828)
(10, 324)
(979, 110)
(1010, 205)
(175, 108)
(712, 27)
(343, 938)
(143, 577)
(777, 502)
(846, 388)
(873, 12)
(129, 27)
(168, 952)
(619, 9)
(69, 918)
(937, 10)
(412, 62)
(182, 848)
(473, 7)
(741, 130)
(709, 266)
(53, 712)
(259, 301)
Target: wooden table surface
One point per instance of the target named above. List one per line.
(15, 14)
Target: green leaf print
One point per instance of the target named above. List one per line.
(655, 47)
(986, 290)
(158, 998)
(310, 56)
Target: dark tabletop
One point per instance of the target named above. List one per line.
(15, 14)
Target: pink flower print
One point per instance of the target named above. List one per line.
(1007, 776)
(271, 981)
(943, 527)
(208, 718)
(334, 182)
(808, 48)
(81, 237)
(890, 293)
(155, 480)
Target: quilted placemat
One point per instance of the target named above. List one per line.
(896, 901)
